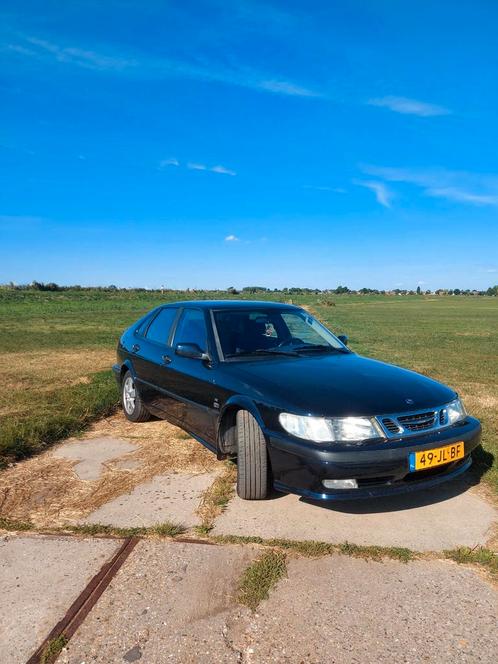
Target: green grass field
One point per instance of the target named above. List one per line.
(56, 349)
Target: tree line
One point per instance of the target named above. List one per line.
(252, 290)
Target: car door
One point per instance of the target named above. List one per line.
(152, 355)
(192, 380)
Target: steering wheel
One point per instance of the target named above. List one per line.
(290, 340)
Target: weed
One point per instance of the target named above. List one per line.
(53, 649)
(217, 496)
(260, 577)
(314, 549)
(478, 556)
(9, 524)
(377, 552)
(166, 529)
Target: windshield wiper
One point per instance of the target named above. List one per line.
(320, 347)
(265, 351)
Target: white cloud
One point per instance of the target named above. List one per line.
(82, 57)
(222, 170)
(335, 190)
(196, 167)
(409, 106)
(286, 88)
(231, 238)
(168, 162)
(461, 196)
(455, 186)
(382, 193)
(147, 67)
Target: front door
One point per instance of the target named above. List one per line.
(192, 380)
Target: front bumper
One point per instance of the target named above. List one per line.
(381, 468)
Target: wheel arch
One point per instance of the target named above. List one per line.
(126, 366)
(227, 428)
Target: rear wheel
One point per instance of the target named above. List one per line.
(133, 407)
(252, 459)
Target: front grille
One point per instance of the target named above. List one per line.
(409, 424)
(418, 422)
(391, 425)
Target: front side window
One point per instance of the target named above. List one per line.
(191, 329)
(246, 332)
(160, 327)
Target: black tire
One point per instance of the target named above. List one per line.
(133, 408)
(252, 459)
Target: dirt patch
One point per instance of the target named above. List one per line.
(46, 491)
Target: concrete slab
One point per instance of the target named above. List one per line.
(92, 454)
(173, 497)
(40, 577)
(344, 610)
(168, 603)
(439, 519)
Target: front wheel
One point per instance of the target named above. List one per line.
(133, 407)
(252, 459)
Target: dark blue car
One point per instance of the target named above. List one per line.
(270, 385)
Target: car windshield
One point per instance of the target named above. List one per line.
(248, 332)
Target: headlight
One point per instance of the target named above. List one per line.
(455, 411)
(320, 429)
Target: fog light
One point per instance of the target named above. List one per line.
(340, 484)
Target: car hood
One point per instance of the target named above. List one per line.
(339, 385)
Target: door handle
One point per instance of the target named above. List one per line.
(166, 359)
(135, 348)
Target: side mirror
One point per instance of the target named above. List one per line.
(344, 338)
(191, 350)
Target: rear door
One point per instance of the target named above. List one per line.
(152, 355)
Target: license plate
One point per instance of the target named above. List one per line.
(436, 457)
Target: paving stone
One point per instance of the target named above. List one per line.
(168, 603)
(40, 577)
(342, 610)
(92, 453)
(173, 497)
(439, 519)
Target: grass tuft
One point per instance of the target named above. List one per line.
(477, 556)
(166, 529)
(260, 577)
(10, 524)
(53, 649)
(377, 552)
(314, 549)
(216, 497)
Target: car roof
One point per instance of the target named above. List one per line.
(231, 304)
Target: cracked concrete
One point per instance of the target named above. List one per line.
(176, 602)
(40, 577)
(169, 603)
(174, 497)
(445, 517)
(93, 454)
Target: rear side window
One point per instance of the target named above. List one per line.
(191, 329)
(160, 327)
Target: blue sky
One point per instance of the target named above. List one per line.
(216, 143)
